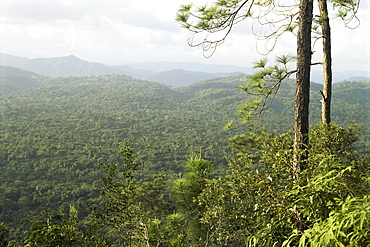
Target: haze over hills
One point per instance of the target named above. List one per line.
(172, 74)
(339, 76)
(198, 67)
(66, 66)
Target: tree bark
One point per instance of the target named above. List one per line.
(327, 70)
(302, 95)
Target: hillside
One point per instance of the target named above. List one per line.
(54, 131)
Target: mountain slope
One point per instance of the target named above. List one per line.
(15, 80)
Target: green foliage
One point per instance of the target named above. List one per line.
(122, 212)
(239, 204)
(133, 211)
(59, 230)
(185, 192)
(218, 17)
(332, 140)
(55, 230)
(255, 203)
(213, 18)
(258, 203)
(175, 230)
(346, 9)
(4, 234)
(347, 225)
(250, 146)
(264, 85)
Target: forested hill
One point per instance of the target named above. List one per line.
(54, 130)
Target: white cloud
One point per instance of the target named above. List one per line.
(123, 31)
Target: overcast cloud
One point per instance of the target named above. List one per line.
(125, 31)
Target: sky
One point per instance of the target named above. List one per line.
(117, 32)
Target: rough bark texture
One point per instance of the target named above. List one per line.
(327, 72)
(302, 96)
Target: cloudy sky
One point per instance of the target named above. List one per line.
(126, 31)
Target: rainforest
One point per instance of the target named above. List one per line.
(110, 160)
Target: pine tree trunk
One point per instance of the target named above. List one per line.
(302, 96)
(327, 72)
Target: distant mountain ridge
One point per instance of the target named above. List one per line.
(59, 66)
(175, 74)
(165, 73)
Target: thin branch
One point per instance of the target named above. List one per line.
(271, 93)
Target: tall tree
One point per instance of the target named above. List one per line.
(347, 10)
(327, 68)
(224, 14)
(302, 95)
